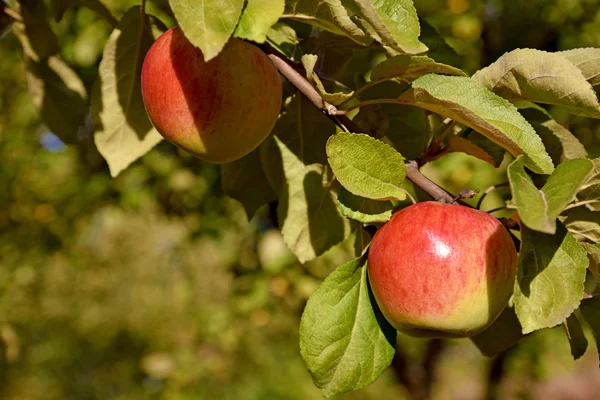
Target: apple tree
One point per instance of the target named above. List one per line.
(369, 94)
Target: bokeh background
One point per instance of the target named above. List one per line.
(154, 285)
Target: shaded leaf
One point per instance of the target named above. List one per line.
(541, 77)
(504, 333)
(362, 238)
(393, 22)
(539, 209)
(257, 19)
(550, 278)
(590, 309)
(470, 103)
(207, 24)
(439, 49)
(283, 38)
(364, 210)
(35, 34)
(496, 152)
(366, 166)
(465, 146)
(593, 251)
(587, 60)
(590, 191)
(123, 131)
(576, 337)
(329, 15)
(406, 68)
(60, 6)
(310, 220)
(584, 224)
(245, 180)
(344, 339)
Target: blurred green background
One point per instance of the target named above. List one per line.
(154, 285)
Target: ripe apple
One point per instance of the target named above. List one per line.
(218, 110)
(442, 270)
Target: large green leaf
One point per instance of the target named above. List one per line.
(590, 309)
(539, 209)
(123, 131)
(310, 220)
(245, 180)
(393, 22)
(258, 18)
(583, 223)
(550, 278)
(590, 191)
(470, 103)
(541, 77)
(344, 339)
(576, 337)
(364, 210)
(208, 24)
(329, 15)
(366, 166)
(406, 68)
(587, 60)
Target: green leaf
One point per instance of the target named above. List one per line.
(35, 34)
(329, 15)
(539, 209)
(60, 6)
(439, 49)
(406, 68)
(283, 37)
(309, 61)
(393, 22)
(593, 251)
(576, 336)
(590, 309)
(344, 339)
(584, 224)
(550, 278)
(123, 131)
(258, 18)
(496, 152)
(362, 238)
(588, 61)
(364, 210)
(208, 24)
(470, 103)
(541, 77)
(310, 220)
(366, 166)
(466, 146)
(59, 95)
(245, 180)
(590, 191)
(504, 333)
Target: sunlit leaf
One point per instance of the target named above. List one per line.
(539, 209)
(393, 22)
(344, 339)
(550, 278)
(406, 68)
(366, 166)
(590, 191)
(329, 15)
(283, 37)
(470, 103)
(208, 24)
(541, 77)
(593, 251)
(587, 60)
(123, 131)
(257, 18)
(584, 224)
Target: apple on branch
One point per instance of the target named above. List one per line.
(218, 110)
(442, 270)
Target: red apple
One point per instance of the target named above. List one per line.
(218, 110)
(442, 270)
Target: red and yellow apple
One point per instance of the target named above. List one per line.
(218, 110)
(442, 270)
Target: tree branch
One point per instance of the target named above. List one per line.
(287, 69)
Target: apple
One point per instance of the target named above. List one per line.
(218, 110)
(442, 270)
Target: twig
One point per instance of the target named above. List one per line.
(465, 194)
(13, 14)
(430, 187)
(496, 209)
(489, 190)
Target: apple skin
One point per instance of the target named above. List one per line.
(442, 270)
(218, 110)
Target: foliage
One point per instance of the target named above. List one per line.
(161, 249)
